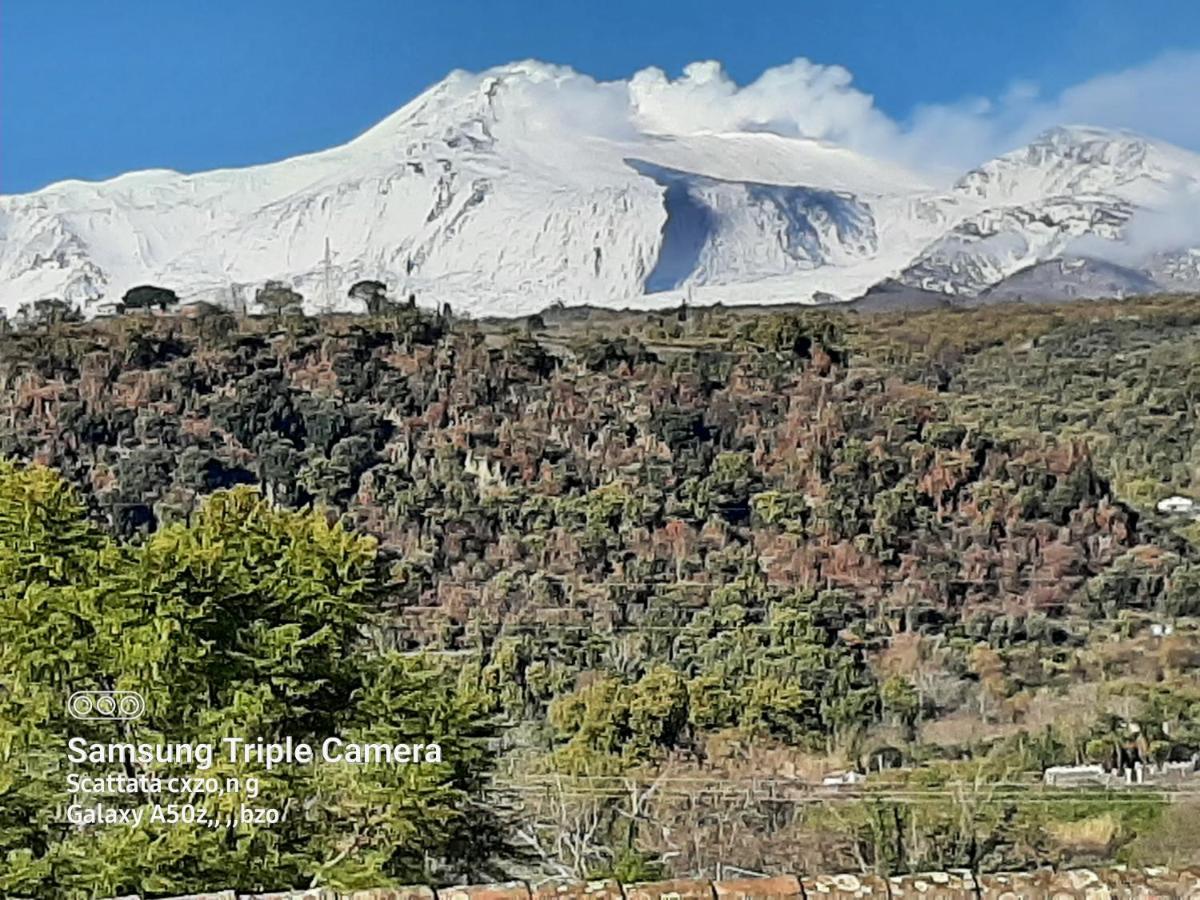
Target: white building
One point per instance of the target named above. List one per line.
(1071, 776)
(839, 778)
(1177, 506)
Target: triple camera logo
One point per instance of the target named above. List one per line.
(106, 706)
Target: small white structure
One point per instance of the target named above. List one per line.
(1138, 773)
(837, 779)
(106, 309)
(1073, 776)
(1177, 506)
(1170, 771)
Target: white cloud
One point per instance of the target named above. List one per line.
(800, 99)
(807, 99)
(1174, 226)
(550, 99)
(1160, 98)
(1156, 99)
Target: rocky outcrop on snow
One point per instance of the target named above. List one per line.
(1070, 278)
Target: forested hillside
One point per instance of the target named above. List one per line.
(694, 562)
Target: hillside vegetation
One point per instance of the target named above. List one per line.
(692, 562)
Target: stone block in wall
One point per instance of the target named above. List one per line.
(1117, 883)
(844, 887)
(1186, 880)
(414, 892)
(569, 889)
(1151, 883)
(508, 890)
(309, 894)
(676, 889)
(952, 885)
(1036, 885)
(777, 887)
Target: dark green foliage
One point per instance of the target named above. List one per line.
(244, 621)
(277, 299)
(48, 311)
(371, 293)
(149, 296)
(603, 354)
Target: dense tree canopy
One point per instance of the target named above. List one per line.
(709, 542)
(246, 621)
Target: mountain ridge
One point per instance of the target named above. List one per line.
(500, 194)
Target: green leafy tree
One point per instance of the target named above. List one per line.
(658, 711)
(247, 622)
(900, 700)
(277, 299)
(373, 294)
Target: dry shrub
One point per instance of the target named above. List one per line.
(1173, 841)
(730, 754)
(1094, 835)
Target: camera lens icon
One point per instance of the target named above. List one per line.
(101, 706)
(81, 706)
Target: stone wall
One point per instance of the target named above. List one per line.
(1043, 884)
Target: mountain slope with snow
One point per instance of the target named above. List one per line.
(496, 194)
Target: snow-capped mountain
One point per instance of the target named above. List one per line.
(483, 194)
(1072, 189)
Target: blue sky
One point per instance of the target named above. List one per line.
(90, 89)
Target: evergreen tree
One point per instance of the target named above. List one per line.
(149, 296)
(245, 622)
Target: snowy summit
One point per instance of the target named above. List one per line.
(506, 191)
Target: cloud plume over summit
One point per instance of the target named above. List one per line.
(799, 99)
(808, 99)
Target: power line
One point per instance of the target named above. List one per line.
(791, 792)
(683, 629)
(327, 300)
